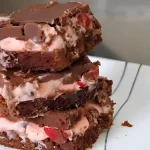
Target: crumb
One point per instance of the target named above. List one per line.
(127, 124)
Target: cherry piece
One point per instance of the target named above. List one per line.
(81, 84)
(84, 20)
(56, 135)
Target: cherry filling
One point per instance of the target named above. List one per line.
(81, 84)
(84, 20)
(56, 135)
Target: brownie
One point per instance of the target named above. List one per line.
(66, 119)
(86, 124)
(64, 102)
(51, 95)
(31, 94)
(41, 38)
(81, 143)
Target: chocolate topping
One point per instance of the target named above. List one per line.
(73, 73)
(61, 120)
(45, 13)
(32, 31)
(29, 31)
(12, 31)
(39, 13)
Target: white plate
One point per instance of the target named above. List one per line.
(131, 92)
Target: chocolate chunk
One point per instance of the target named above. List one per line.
(61, 120)
(42, 12)
(12, 31)
(32, 31)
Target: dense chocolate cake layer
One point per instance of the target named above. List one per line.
(66, 119)
(64, 102)
(41, 38)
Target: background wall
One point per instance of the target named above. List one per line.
(126, 26)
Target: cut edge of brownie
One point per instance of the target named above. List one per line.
(67, 101)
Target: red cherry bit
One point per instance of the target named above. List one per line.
(56, 135)
(84, 20)
(81, 84)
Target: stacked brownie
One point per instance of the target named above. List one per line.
(52, 97)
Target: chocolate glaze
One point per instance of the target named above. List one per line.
(17, 77)
(28, 31)
(11, 31)
(30, 16)
(40, 13)
(61, 120)
(32, 31)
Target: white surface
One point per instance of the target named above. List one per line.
(133, 90)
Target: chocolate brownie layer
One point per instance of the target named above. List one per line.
(40, 38)
(66, 119)
(81, 134)
(33, 93)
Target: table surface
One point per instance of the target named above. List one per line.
(131, 93)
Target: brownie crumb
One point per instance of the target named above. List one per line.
(127, 124)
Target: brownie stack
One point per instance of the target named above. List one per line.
(52, 97)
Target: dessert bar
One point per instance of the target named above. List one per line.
(48, 36)
(31, 94)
